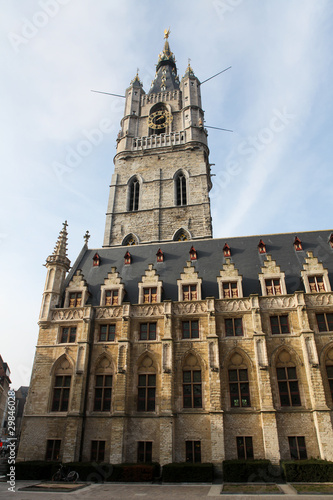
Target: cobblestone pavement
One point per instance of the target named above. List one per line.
(118, 491)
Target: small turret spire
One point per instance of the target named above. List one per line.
(59, 254)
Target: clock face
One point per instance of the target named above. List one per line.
(159, 119)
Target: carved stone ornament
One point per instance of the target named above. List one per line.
(233, 305)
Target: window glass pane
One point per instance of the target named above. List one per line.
(233, 375)
(321, 322)
(240, 447)
(99, 380)
(142, 380)
(229, 327)
(284, 324)
(108, 380)
(64, 335)
(195, 329)
(242, 374)
(291, 372)
(293, 448)
(301, 448)
(67, 381)
(281, 374)
(72, 335)
(329, 318)
(249, 447)
(189, 451)
(151, 380)
(186, 329)
(186, 377)
(238, 327)
(197, 376)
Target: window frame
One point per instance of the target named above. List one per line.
(279, 325)
(326, 321)
(297, 448)
(193, 452)
(289, 392)
(192, 294)
(316, 284)
(191, 330)
(234, 327)
(151, 331)
(275, 288)
(145, 449)
(69, 335)
(229, 285)
(151, 295)
(55, 445)
(64, 392)
(146, 392)
(241, 393)
(77, 300)
(97, 454)
(244, 445)
(181, 190)
(195, 399)
(114, 295)
(107, 334)
(133, 195)
(105, 398)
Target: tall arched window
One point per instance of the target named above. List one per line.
(61, 385)
(192, 383)
(239, 383)
(287, 380)
(103, 385)
(134, 192)
(181, 195)
(146, 385)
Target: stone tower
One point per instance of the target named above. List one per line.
(159, 189)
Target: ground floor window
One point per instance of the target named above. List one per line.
(53, 449)
(145, 449)
(193, 451)
(297, 447)
(97, 451)
(244, 447)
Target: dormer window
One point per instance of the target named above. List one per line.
(262, 247)
(75, 299)
(190, 292)
(111, 297)
(96, 260)
(128, 258)
(298, 244)
(160, 255)
(230, 289)
(149, 295)
(193, 253)
(316, 283)
(273, 286)
(226, 250)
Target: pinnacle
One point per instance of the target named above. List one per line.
(61, 245)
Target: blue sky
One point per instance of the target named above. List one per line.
(272, 174)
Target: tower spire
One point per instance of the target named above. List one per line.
(166, 77)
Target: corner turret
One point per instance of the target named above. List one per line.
(57, 265)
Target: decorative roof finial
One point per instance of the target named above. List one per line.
(167, 33)
(86, 237)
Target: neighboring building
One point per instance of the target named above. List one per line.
(20, 400)
(4, 388)
(169, 345)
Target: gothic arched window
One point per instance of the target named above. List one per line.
(134, 192)
(192, 383)
(287, 380)
(61, 385)
(181, 194)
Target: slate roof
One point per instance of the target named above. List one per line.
(244, 254)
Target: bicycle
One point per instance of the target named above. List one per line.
(61, 475)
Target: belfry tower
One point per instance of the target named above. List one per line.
(159, 189)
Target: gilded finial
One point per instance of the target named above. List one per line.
(86, 237)
(167, 33)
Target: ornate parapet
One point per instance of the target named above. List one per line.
(233, 305)
(278, 302)
(147, 310)
(315, 300)
(71, 313)
(103, 312)
(195, 307)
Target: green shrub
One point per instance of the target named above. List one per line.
(91, 471)
(311, 470)
(187, 473)
(36, 469)
(134, 472)
(244, 471)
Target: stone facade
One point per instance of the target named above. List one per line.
(119, 339)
